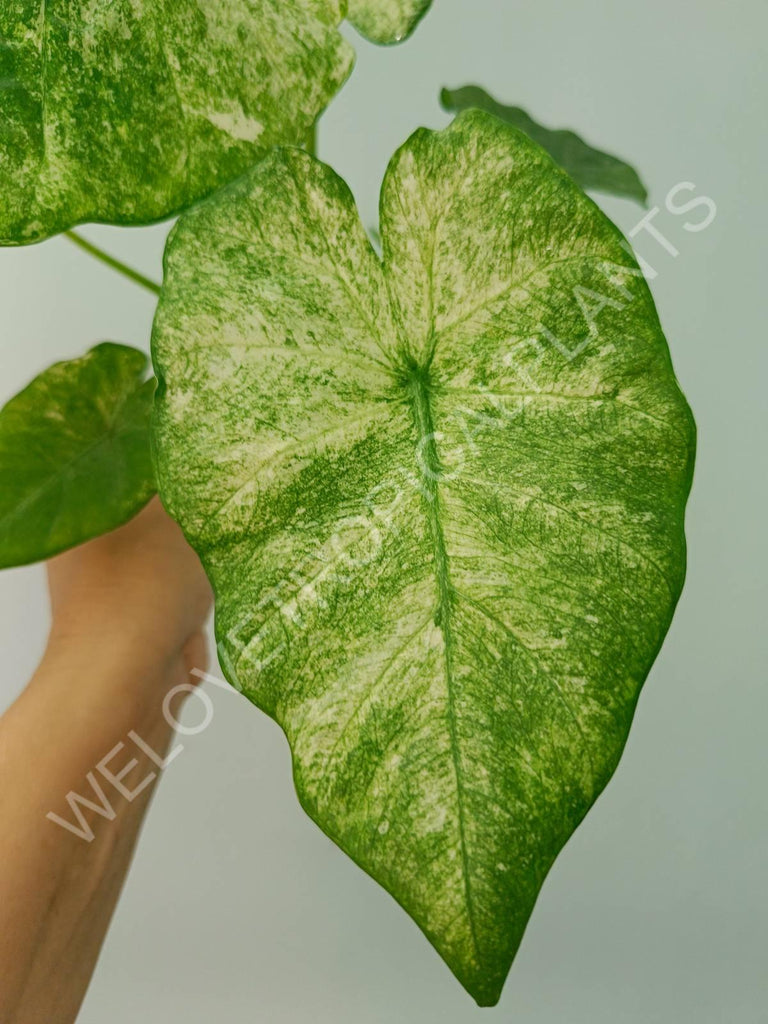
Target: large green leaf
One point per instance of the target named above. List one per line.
(440, 497)
(74, 453)
(126, 111)
(387, 21)
(590, 167)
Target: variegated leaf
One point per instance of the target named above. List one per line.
(387, 21)
(440, 497)
(127, 111)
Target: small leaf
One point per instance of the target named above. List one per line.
(126, 111)
(591, 168)
(387, 21)
(440, 497)
(75, 458)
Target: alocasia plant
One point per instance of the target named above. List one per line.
(440, 497)
(126, 111)
(439, 493)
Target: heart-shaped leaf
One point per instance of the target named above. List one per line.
(591, 168)
(387, 21)
(74, 453)
(127, 111)
(440, 497)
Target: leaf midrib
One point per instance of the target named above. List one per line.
(418, 392)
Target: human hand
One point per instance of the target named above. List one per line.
(137, 596)
(127, 615)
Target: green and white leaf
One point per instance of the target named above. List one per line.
(591, 168)
(126, 111)
(387, 21)
(75, 456)
(440, 497)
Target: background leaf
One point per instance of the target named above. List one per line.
(387, 21)
(74, 453)
(126, 112)
(591, 168)
(440, 498)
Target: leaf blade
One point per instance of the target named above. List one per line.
(86, 139)
(387, 21)
(74, 453)
(453, 647)
(591, 168)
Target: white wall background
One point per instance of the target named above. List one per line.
(237, 908)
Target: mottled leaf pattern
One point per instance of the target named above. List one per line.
(74, 453)
(387, 21)
(591, 168)
(440, 497)
(126, 111)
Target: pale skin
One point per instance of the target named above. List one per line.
(128, 611)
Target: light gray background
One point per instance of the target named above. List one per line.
(237, 908)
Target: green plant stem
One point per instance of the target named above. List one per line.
(121, 268)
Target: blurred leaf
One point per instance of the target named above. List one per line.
(591, 168)
(75, 458)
